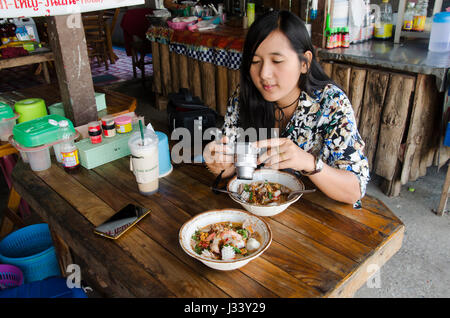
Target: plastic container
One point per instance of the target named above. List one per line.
(55, 287)
(383, 29)
(164, 162)
(39, 131)
(440, 33)
(123, 124)
(69, 151)
(108, 126)
(39, 159)
(177, 25)
(10, 276)
(7, 121)
(144, 161)
(420, 15)
(31, 249)
(30, 108)
(408, 17)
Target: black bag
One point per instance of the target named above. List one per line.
(183, 110)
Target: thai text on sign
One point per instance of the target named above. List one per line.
(35, 8)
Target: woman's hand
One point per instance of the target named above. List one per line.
(217, 159)
(283, 153)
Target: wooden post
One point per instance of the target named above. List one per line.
(175, 72)
(156, 68)
(375, 91)
(222, 90)
(356, 90)
(208, 78)
(73, 69)
(233, 80)
(393, 123)
(184, 71)
(165, 65)
(341, 75)
(327, 68)
(421, 127)
(195, 81)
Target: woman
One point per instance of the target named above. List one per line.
(283, 86)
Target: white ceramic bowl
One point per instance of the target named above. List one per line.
(227, 215)
(284, 178)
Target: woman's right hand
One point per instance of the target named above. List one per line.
(217, 159)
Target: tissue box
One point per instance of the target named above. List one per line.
(58, 108)
(110, 149)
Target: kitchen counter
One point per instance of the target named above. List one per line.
(410, 56)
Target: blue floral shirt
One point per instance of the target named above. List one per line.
(323, 125)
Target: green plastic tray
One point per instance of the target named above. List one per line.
(39, 131)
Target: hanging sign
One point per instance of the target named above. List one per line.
(38, 8)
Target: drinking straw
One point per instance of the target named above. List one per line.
(142, 131)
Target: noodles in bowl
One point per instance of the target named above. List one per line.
(266, 194)
(225, 239)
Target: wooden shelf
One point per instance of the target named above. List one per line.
(401, 11)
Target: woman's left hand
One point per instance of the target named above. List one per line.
(283, 153)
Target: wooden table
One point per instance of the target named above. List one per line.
(116, 103)
(41, 55)
(320, 248)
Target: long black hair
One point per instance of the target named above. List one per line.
(254, 110)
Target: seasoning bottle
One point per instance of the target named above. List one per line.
(108, 125)
(383, 30)
(95, 132)
(69, 151)
(420, 15)
(408, 17)
(328, 39)
(345, 37)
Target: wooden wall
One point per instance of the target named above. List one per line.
(398, 117)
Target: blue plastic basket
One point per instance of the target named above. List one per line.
(54, 287)
(31, 249)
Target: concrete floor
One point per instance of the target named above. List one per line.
(419, 269)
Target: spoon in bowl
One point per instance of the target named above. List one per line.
(294, 193)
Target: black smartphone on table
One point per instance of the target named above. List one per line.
(122, 221)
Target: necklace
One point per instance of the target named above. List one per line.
(281, 117)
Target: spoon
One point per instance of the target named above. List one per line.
(225, 191)
(293, 193)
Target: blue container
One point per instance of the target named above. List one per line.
(31, 249)
(447, 136)
(165, 165)
(55, 287)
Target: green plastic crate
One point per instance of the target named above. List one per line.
(110, 149)
(39, 131)
(58, 108)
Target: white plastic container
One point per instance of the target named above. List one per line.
(144, 161)
(440, 33)
(39, 159)
(6, 127)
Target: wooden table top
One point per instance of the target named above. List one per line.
(116, 103)
(38, 56)
(320, 248)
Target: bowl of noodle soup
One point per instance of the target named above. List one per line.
(266, 194)
(225, 239)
